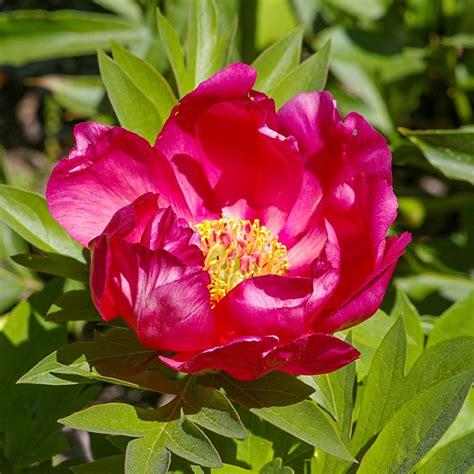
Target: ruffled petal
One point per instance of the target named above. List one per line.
(163, 300)
(108, 169)
(242, 358)
(226, 154)
(356, 306)
(279, 305)
(145, 222)
(312, 355)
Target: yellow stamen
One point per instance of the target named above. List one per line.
(237, 249)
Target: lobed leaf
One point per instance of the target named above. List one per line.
(27, 214)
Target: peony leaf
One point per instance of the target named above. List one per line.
(384, 382)
(135, 110)
(455, 321)
(276, 467)
(415, 338)
(339, 388)
(312, 426)
(160, 430)
(147, 455)
(450, 151)
(417, 426)
(33, 35)
(115, 357)
(147, 79)
(54, 264)
(110, 465)
(438, 363)
(27, 214)
(75, 305)
(276, 388)
(212, 410)
(455, 458)
(203, 28)
(279, 58)
(367, 337)
(309, 76)
(175, 54)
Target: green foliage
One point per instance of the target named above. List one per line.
(405, 405)
(27, 214)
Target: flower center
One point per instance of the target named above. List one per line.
(238, 249)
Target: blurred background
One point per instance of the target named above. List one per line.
(405, 65)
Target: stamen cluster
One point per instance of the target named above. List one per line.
(237, 249)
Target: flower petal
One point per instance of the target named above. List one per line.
(226, 154)
(277, 305)
(242, 358)
(163, 300)
(145, 222)
(311, 355)
(352, 308)
(108, 169)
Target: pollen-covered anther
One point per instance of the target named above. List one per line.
(237, 249)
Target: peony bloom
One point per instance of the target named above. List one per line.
(245, 237)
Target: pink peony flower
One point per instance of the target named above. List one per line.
(245, 237)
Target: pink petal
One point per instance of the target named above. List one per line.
(163, 300)
(242, 358)
(108, 169)
(353, 307)
(226, 154)
(145, 222)
(311, 355)
(277, 305)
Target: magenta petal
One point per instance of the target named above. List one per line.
(363, 303)
(275, 304)
(311, 355)
(164, 301)
(145, 222)
(108, 169)
(242, 358)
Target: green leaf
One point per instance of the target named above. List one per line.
(367, 337)
(33, 35)
(313, 426)
(450, 151)
(456, 457)
(438, 363)
(147, 79)
(276, 388)
(134, 109)
(175, 54)
(338, 387)
(384, 381)
(363, 9)
(203, 28)
(275, 61)
(75, 305)
(30, 433)
(147, 455)
(455, 321)
(415, 338)
(210, 409)
(116, 356)
(275, 398)
(416, 427)
(125, 8)
(80, 95)
(110, 465)
(54, 264)
(309, 76)
(161, 428)
(276, 467)
(27, 214)
(114, 419)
